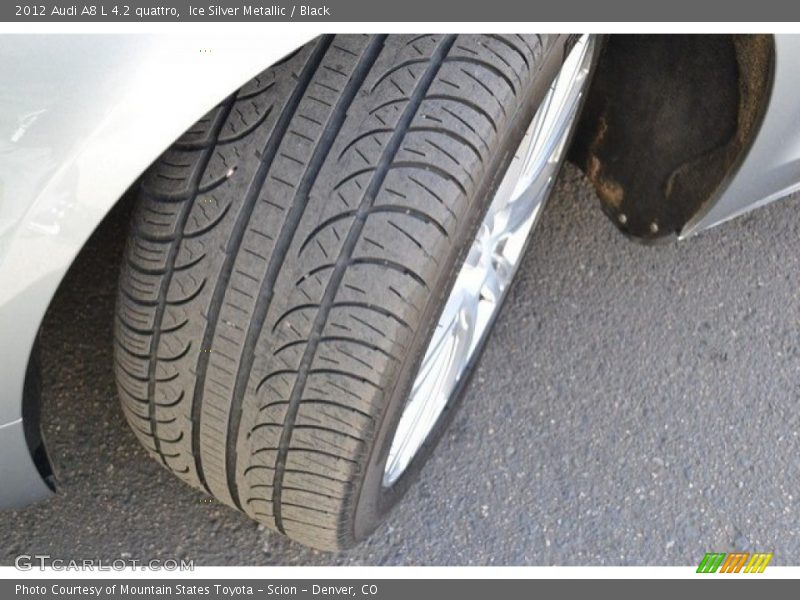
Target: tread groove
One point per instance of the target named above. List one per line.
(164, 287)
(242, 222)
(285, 237)
(388, 155)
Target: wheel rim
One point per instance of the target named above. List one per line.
(492, 261)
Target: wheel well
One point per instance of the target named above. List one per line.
(667, 119)
(31, 418)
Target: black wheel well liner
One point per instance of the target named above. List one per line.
(667, 119)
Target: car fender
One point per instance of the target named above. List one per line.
(81, 117)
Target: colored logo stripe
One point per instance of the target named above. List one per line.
(733, 563)
(758, 563)
(711, 562)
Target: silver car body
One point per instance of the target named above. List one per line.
(82, 116)
(771, 168)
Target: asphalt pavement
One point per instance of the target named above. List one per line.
(635, 405)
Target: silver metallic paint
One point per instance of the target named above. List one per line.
(771, 168)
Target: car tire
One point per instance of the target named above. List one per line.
(288, 259)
